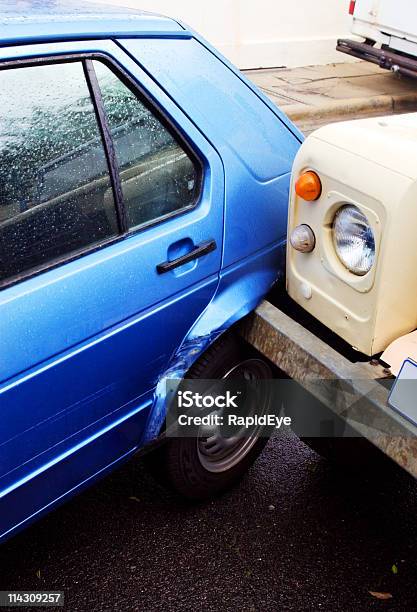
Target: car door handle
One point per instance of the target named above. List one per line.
(203, 249)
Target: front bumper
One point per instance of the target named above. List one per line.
(334, 380)
(389, 59)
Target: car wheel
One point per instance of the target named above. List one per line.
(204, 466)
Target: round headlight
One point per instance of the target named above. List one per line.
(354, 240)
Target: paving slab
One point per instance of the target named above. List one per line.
(315, 95)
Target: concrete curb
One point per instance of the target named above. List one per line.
(354, 106)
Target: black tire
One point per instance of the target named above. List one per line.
(177, 464)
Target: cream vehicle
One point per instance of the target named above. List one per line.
(352, 266)
(352, 257)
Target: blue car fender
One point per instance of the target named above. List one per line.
(240, 289)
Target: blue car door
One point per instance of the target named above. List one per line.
(111, 229)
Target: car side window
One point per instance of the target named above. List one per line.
(158, 177)
(62, 189)
(55, 191)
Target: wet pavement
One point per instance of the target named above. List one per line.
(294, 535)
(317, 86)
(313, 96)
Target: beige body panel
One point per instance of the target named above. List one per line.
(372, 164)
(399, 350)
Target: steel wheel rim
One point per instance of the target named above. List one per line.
(217, 454)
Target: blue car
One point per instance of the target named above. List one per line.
(143, 208)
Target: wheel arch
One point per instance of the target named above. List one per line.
(240, 290)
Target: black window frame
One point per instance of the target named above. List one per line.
(86, 61)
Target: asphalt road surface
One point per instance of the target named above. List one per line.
(294, 535)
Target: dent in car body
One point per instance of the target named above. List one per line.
(237, 295)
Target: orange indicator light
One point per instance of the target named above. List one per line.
(308, 186)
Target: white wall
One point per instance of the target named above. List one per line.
(262, 33)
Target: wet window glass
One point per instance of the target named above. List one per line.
(157, 175)
(55, 191)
